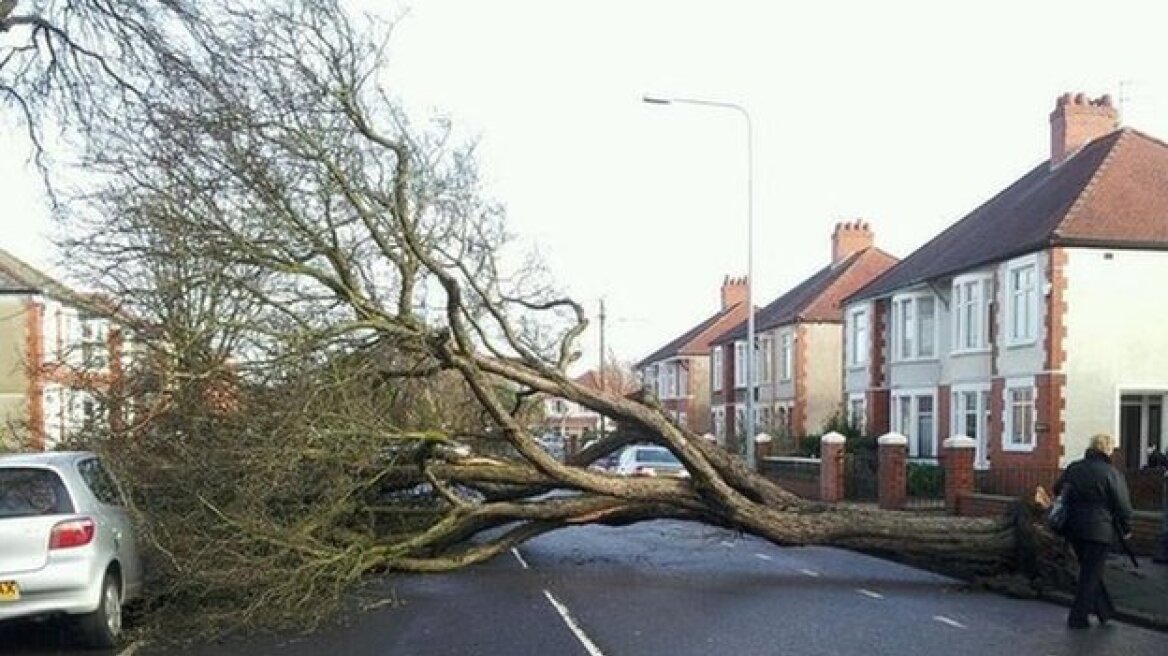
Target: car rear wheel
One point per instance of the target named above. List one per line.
(102, 628)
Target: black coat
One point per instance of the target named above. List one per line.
(1098, 502)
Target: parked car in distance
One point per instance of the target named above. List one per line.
(647, 460)
(66, 543)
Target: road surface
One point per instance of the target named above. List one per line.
(678, 589)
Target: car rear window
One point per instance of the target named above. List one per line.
(30, 491)
(661, 456)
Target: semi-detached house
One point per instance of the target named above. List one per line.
(799, 338)
(55, 353)
(678, 373)
(1036, 320)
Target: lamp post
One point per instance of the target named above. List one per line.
(750, 345)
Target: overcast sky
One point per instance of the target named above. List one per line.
(906, 114)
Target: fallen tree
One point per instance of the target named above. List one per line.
(268, 163)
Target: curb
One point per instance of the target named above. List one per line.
(1131, 616)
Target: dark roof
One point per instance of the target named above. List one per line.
(1113, 192)
(683, 344)
(817, 298)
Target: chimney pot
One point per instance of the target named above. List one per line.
(850, 237)
(1077, 121)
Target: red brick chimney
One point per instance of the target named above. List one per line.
(733, 291)
(849, 237)
(1077, 121)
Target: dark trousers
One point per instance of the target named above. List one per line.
(1091, 594)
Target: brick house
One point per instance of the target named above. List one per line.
(572, 421)
(56, 352)
(1018, 325)
(678, 373)
(799, 339)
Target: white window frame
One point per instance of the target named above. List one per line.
(739, 364)
(1008, 419)
(983, 411)
(719, 420)
(651, 380)
(973, 338)
(912, 353)
(766, 358)
(786, 355)
(716, 369)
(857, 346)
(910, 432)
(1011, 302)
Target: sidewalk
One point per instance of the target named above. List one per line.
(1140, 594)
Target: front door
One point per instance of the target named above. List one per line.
(1141, 424)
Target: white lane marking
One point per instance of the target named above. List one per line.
(589, 646)
(810, 572)
(869, 593)
(519, 558)
(945, 620)
(763, 556)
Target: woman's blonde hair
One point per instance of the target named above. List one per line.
(1102, 443)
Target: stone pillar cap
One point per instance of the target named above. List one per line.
(892, 439)
(960, 442)
(833, 438)
(762, 437)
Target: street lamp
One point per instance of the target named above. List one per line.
(750, 345)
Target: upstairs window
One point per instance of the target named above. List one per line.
(787, 353)
(766, 359)
(857, 338)
(740, 364)
(716, 369)
(1022, 301)
(971, 313)
(914, 327)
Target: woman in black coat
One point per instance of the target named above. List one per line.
(1099, 512)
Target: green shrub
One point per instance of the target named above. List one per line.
(925, 480)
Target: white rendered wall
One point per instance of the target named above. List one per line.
(1116, 337)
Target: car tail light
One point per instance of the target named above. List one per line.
(73, 533)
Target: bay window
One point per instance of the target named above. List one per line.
(1019, 416)
(914, 417)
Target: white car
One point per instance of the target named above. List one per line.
(66, 543)
(645, 460)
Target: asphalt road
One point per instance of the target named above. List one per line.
(678, 589)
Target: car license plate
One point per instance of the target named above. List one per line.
(9, 591)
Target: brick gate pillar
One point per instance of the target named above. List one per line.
(959, 455)
(893, 461)
(831, 468)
